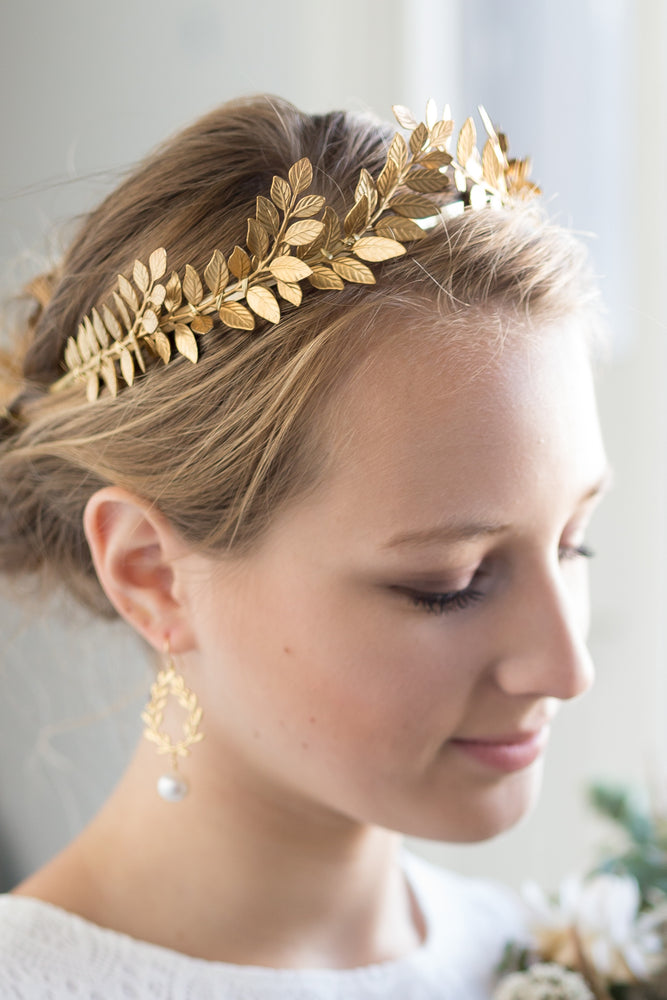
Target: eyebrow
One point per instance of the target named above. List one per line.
(461, 532)
(445, 533)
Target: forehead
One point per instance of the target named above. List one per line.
(426, 428)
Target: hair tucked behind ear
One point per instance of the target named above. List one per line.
(219, 446)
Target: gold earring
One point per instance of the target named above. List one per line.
(172, 787)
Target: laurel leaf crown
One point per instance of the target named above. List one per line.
(295, 237)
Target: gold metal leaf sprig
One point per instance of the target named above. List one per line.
(167, 683)
(295, 237)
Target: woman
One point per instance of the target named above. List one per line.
(346, 502)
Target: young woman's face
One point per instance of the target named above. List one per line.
(396, 648)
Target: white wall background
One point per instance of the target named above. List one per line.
(88, 88)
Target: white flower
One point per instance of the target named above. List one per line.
(597, 921)
(544, 981)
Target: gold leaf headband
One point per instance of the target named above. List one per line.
(295, 237)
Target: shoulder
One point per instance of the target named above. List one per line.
(27, 947)
(42, 949)
(48, 952)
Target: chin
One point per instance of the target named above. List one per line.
(502, 807)
(482, 813)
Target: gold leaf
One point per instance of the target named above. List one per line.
(92, 387)
(310, 205)
(201, 324)
(264, 303)
(324, 278)
(388, 177)
(413, 206)
(427, 181)
(162, 346)
(174, 295)
(122, 310)
(139, 356)
(267, 215)
(185, 342)
(436, 159)
(236, 316)
(257, 239)
(398, 151)
(73, 358)
(108, 373)
(488, 124)
(356, 219)
(128, 292)
(365, 186)
(127, 366)
(492, 169)
(418, 139)
(192, 287)
(288, 268)
(353, 270)
(466, 142)
(140, 275)
(301, 175)
(310, 248)
(396, 227)
(90, 336)
(301, 233)
(441, 133)
(83, 343)
(100, 329)
(372, 248)
(149, 321)
(518, 171)
(281, 193)
(216, 273)
(157, 263)
(290, 292)
(239, 263)
(158, 295)
(404, 116)
(331, 232)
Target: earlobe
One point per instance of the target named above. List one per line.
(134, 551)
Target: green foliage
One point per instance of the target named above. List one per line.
(645, 857)
(626, 807)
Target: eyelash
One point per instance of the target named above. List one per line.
(459, 600)
(575, 552)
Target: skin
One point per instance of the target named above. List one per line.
(336, 686)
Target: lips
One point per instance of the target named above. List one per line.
(508, 752)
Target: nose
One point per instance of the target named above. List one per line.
(545, 652)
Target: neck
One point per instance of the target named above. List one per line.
(237, 875)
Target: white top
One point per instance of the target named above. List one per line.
(49, 954)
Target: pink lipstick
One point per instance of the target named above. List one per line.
(512, 752)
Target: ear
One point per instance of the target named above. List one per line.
(136, 555)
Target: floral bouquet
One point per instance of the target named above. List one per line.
(604, 935)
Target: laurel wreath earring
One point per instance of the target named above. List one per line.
(172, 787)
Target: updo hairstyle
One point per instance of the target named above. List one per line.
(220, 445)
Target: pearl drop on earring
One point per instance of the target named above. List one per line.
(172, 787)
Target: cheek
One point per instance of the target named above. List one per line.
(337, 674)
(377, 676)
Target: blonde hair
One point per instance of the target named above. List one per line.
(219, 446)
